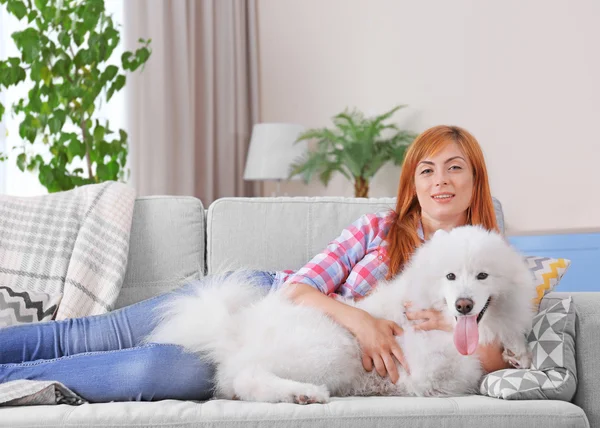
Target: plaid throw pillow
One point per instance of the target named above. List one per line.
(553, 374)
(18, 306)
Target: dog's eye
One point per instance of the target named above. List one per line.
(451, 277)
(482, 275)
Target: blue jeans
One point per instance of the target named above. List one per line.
(101, 357)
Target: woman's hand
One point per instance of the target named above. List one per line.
(431, 319)
(377, 341)
(375, 336)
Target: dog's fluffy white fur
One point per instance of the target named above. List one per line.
(267, 348)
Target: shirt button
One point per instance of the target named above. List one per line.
(380, 257)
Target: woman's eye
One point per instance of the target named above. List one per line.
(455, 167)
(482, 275)
(451, 277)
(426, 171)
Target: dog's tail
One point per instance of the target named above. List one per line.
(203, 321)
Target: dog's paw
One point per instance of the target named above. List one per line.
(522, 361)
(311, 395)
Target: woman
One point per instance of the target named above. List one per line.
(443, 184)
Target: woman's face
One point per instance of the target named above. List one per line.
(444, 185)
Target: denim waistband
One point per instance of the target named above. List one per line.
(263, 278)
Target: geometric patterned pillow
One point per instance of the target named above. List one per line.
(528, 384)
(18, 306)
(553, 373)
(547, 273)
(549, 339)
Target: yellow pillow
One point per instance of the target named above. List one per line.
(547, 272)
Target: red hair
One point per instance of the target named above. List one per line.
(402, 237)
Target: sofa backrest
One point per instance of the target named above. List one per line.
(278, 233)
(166, 246)
(173, 236)
(282, 233)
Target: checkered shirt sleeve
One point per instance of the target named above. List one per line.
(329, 270)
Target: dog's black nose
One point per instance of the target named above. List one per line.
(464, 306)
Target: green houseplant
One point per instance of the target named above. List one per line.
(355, 148)
(65, 51)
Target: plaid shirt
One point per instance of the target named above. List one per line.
(351, 264)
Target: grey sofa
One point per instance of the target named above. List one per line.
(174, 239)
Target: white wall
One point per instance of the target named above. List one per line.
(523, 77)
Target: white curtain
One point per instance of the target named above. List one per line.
(191, 110)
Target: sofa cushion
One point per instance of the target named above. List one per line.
(459, 412)
(547, 273)
(166, 247)
(553, 374)
(285, 232)
(552, 338)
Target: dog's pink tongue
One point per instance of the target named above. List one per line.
(466, 334)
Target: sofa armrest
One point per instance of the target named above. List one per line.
(587, 348)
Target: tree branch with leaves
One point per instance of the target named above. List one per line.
(65, 52)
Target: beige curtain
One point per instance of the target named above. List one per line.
(191, 110)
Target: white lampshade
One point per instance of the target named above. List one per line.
(272, 151)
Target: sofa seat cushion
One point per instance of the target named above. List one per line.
(460, 412)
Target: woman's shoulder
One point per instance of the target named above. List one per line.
(378, 222)
(378, 217)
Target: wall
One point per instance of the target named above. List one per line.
(521, 76)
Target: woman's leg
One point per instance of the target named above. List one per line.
(145, 373)
(119, 329)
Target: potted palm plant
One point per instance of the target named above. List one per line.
(356, 148)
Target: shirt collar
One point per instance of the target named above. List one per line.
(420, 233)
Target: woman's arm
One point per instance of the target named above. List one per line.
(329, 269)
(491, 357)
(375, 336)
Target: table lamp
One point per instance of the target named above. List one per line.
(272, 151)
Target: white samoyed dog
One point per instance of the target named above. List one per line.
(267, 348)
